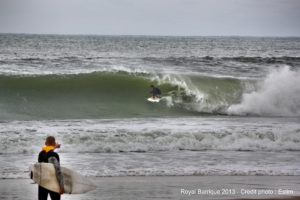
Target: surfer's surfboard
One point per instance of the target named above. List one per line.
(153, 100)
(74, 183)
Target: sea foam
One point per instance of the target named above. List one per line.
(278, 95)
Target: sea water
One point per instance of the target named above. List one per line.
(230, 105)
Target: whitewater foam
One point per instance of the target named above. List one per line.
(144, 135)
(278, 95)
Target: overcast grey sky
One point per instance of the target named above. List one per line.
(152, 17)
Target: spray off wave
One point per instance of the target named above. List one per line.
(278, 95)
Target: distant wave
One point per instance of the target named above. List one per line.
(105, 63)
(192, 60)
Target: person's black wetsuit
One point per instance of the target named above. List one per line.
(155, 92)
(50, 157)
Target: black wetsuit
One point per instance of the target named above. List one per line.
(43, 193)
(155, 92)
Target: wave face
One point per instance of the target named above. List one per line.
(108, 94)
(123, 94)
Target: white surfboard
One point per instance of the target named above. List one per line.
(44, 175)
(156, 100)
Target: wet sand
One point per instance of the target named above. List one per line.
(170, 187)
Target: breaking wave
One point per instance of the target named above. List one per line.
(123, 94)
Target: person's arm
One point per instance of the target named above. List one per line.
(59, 176)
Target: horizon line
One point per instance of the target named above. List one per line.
(145, 35)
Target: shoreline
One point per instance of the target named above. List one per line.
(168, 187)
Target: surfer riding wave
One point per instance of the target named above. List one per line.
(155, 92)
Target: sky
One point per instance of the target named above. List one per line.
(152, 17)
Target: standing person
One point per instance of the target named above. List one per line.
(47, 155)
(155, 91)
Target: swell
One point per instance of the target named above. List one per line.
(192, 60)
(288, 60)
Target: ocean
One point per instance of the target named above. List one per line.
(229, 105)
